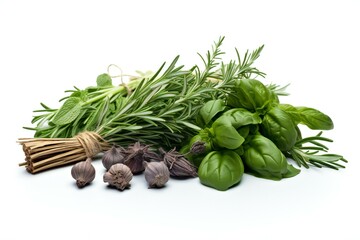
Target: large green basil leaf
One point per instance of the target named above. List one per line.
(241, 117)
(310, 117)
(68, 112)
(227, 136)
(221, 169)
(263, 159)
(292, 111)
(250, 94)
(279, 127)
(225, 127)
(314, 119)
(210, 109)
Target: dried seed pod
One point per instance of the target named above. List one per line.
(112, 156)
(118, 176)
(178, 165)
(136, 154)
(198, 148)
(156, 174)
(83, 172)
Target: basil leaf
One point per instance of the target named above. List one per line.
(315, 119)
(279, 127)
(210, 109)
(68, 111)
(240, 117)
(104, 80)
(226, 136)
(221, 169)
(244, 131)
(250, 94)
(291, 171)
(263, 159)
(310, 117)
(291, 111)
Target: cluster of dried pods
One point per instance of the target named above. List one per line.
(121, 164)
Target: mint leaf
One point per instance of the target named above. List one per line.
(104, 80)
(69, 111)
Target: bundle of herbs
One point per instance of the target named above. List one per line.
(224, 120)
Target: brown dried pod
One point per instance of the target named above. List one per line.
(112, 156)
(83, 172)
(118, 176)
(178, 165)
(156, 174)
(198, 148)
(136, 154)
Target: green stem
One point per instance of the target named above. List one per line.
(113, 91)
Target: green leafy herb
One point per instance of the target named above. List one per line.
(218, 114)
(227, 136)
(250, 94)
(311, 150)
(104, 80)
(209, 110)
(279, 127)
(68, 112)
(221, 169)
(263, 159)
(314, 119)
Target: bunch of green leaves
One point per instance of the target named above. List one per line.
(160, 110)
(251, 122)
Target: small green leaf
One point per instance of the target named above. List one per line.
(250, 94)
(190, 125)
(104, 80)
(315, 119)
(68, 112)
(326, 157)
(244, 131)
(291, 171)
(221, 169)
(241, 117)
(132, 128)
(278, 126)
(82, 94)
(210, 109)
(226, 136)
(291, 111)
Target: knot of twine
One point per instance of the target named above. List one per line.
(119, 76)
(92, 143)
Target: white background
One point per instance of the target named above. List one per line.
(47, 47)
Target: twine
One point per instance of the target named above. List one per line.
(91, 142)
(119, 76)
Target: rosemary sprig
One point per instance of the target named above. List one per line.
(307, 151)
(159, 111)
(245, 64)
(169, 102)
(278, 90)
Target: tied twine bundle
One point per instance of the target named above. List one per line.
(45, 153)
